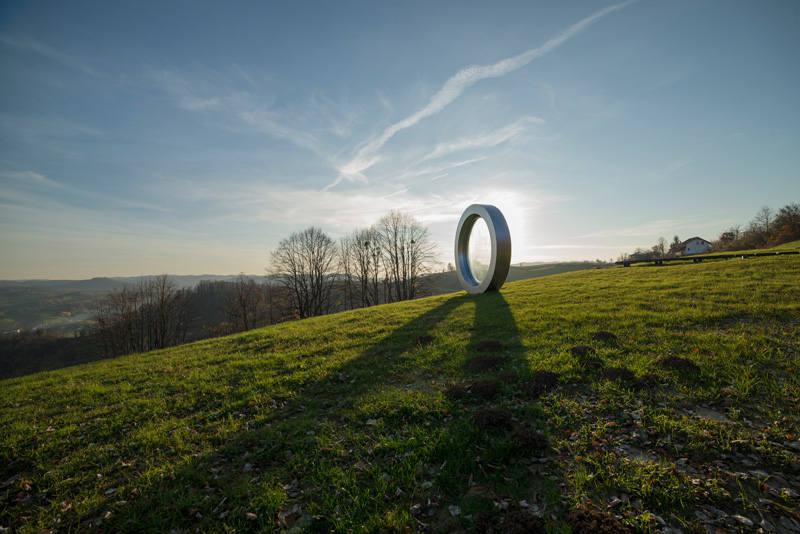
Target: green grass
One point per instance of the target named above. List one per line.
(341, 424)
(785, 247)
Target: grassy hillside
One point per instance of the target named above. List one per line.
(437, 414)
(448, 282)
(786, 247)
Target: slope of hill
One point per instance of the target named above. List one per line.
(448, 282)
(665, 396)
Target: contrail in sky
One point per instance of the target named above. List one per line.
(457, 84)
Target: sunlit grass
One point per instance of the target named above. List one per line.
(341, 423)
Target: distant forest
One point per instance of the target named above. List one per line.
(768, 228)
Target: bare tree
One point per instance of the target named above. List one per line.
(361, 259)
(304, 265)
(727, 239)
(149, 315)
(407, 253)
(660, 248)
(346, 268)
(763, 220)
(246, 304)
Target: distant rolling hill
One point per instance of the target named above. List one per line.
(448, 282)
(108, 284)
(94, 284)
(442, 282)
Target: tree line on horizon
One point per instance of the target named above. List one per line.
(768, 228)
(309, 274)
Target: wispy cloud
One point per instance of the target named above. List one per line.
(385, 102)
(454, 87)
(677, 164)
(307, 124)
(40, 127)
(186, 94)
(574, 247)
(662, 226)
(551, 97)
(645, 229)
(266, 121)
(487, 140)
(439, 170)
(29, 178)
(39, 47)
(32, 190)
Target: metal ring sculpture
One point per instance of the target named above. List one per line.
(501, 249)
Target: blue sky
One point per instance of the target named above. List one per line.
(190, 137)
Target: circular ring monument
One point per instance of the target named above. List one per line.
(501, 249)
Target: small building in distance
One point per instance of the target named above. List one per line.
(694, 245)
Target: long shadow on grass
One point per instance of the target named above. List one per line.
(482, 462)
(404, 446)
(353, 449)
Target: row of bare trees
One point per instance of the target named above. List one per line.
(227, 307)
(310, 274)
(385, 262)
(149, 315)
(154, 313)
(768, 228)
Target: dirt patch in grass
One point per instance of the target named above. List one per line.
(646, 381)
(605, 337)
(546, 379)
(455, 392)
(541, 382)
(511, 522)
(619, 374)
(532, 389)
(581, 350)
(509, 377)
(486, 362)
(489, 419)
(528, 439)
(589, 363)
(583, 521)
(489, 345)
(485, 390)
(424, 340)
(678, 364)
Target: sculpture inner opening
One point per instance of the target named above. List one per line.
(479, 250)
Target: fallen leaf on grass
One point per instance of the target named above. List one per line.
(9, 481)
(360, 465)
(251, 516)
